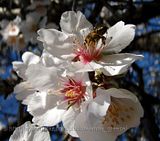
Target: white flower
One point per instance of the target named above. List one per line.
(105, 116)
(55, 94)
(11, 28)
(11, 33)
(56, 86)
(110, 114)
(33, 22)
(29, 132)
(105, 13)
(29, 85)
(25, 88)
(50, 94)
(70, 44)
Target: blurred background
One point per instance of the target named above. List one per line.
(19, 22)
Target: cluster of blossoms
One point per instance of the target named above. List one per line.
(58, 85)
(21, 31)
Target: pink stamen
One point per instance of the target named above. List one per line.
(73, 91)
(89, 54)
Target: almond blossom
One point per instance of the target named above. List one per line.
(51, 104)
(25, 88)
(50, 93)
(33, 22)
(70, 44)
(57, 85)
(29, 132)
(11, 33)
(110, 114)
(51, 98)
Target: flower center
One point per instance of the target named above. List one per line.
(13, 30)
(88, 54)
(74, 92)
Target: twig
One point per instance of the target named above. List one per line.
(74, 5)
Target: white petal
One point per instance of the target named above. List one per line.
(30, 58)
(22, 132)
(41, 134)
(41, 77)
(126, 111)
(29, 132)
(112, 31)
(40, 102)
(50, 118)
(127, 117)
(118, 93)
(83, 25)
(89, 129)
(55, 42)
(118, 63)
(23, 90)
(20, 68)
(100, 104)
(121, 59)
(98, 110)
(48, 60)
(121, 38)
(79, 77)
(140, 112)
(81, 67)
(69, 121)
(68, 22)
(73, 23)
